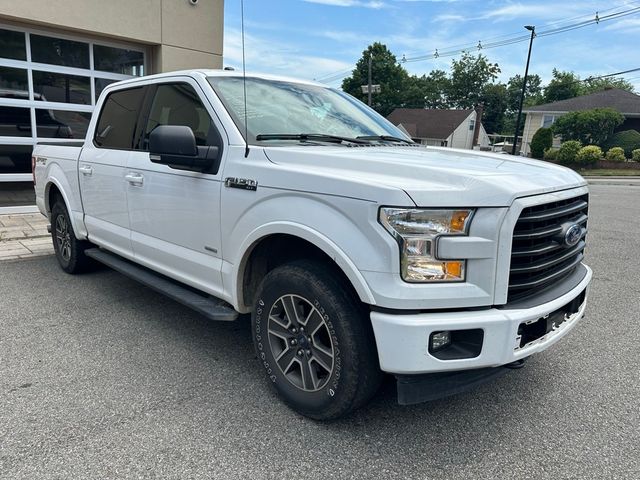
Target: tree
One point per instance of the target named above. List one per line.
(563, 85)
(393, 79)
(532, 94)
(436, 85)
(469, 77)
(589, 127)
(598, 84)
(494, 101)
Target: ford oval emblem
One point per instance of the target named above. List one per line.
(573, 235)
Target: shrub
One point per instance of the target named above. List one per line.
(629, 140)
(588, 155)
(616, 154)
(568, 151)
(635, 155)
(591, 127)
(551, 155)
(541, 141)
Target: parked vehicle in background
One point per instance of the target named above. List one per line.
(355, 251)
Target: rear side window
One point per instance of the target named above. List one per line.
(179, 104)
(117, 123)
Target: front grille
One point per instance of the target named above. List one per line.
(540, 257)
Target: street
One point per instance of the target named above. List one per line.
(103, 378)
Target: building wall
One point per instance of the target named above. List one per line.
(532, 123)
(462, 137)
(56, 56)
(180, 35)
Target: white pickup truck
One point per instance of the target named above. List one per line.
(355, 250)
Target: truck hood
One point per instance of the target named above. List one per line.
(433, 176)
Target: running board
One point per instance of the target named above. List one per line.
(210, 307)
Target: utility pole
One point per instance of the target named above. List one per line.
(369, 82)
(532, 29)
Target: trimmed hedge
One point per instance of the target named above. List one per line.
(551, 155)
(541, 141)
(588, 156)
(616, 154)
(628, 140)
(568, 152)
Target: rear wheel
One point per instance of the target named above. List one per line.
(314, 340)
(68, 249)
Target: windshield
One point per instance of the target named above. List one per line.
(288, 108)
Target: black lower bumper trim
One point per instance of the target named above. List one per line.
(414, 389)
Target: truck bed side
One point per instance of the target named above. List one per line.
(56, 170)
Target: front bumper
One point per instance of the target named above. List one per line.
(402, 339)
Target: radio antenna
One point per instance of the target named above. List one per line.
(244, 85)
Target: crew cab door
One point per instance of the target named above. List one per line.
(175, 213)
(102, 170)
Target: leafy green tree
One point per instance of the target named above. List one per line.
(589, 127)
(436, 85)
(541, 141)
(598, 84)
(494, 101)
(427, 91)
(393, 79)
(469, 77)
(562, 86)
(532, 94)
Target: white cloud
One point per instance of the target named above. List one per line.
(350, 3)
(627, 25)
(447, 17)
(275, 57)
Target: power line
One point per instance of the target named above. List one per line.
(453, 51)
(521, 38)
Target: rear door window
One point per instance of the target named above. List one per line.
(118, 118)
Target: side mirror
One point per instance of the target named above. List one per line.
(175, 146)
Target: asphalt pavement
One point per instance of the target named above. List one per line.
(102, 378)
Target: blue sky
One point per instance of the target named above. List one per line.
(316, 38)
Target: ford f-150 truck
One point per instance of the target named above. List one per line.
(355, 250)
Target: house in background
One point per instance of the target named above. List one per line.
(627, 103)
(442, 128)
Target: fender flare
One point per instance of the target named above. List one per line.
(76, 223)
(312, 236)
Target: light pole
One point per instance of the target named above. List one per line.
(532, 29)
(369, 81)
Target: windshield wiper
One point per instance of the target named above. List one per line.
(318, 137)
(385, 138)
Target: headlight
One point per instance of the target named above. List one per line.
(416, 231)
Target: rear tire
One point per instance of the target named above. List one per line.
(314, 340)
(68, 249)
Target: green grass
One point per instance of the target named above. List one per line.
(610, 172)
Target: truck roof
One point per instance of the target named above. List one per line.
(220, 73)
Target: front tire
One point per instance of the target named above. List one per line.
(68, 249)
(314, 340)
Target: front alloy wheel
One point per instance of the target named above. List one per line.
(300, 342)
(314, 340)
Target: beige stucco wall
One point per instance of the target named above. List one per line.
(180, 35)
(532, 123)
